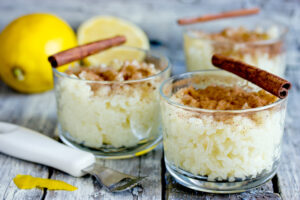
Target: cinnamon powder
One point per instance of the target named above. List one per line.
(240, 41)
(224, 98)
(239, 35)
(118, 71)
(127, 71)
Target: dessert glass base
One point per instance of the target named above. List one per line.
(110, 152)
(200, 183)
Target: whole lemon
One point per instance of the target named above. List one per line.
(25, 45)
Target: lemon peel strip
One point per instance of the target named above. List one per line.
(30, 182)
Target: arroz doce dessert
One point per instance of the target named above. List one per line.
(110, 105)
(216, 136)
(259, 47)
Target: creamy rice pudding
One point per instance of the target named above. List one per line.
(111, 108)
(259, 47)
(218, 128)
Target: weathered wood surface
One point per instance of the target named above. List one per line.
(289, 170)
(38, 112)
(29, 111)
(148, 165)
(157, 18)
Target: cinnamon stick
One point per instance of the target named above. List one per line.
(267, 81)
(83, 51)
(205, 18)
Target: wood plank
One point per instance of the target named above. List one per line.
(24, 110)
(38, 112)
(88, 188)
(289, 171)
(150, 166)
(10, 167)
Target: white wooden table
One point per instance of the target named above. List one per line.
(38, 111)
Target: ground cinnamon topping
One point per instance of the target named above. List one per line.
(119, 71)
(240, 41)
(240, 34)
(224, 98)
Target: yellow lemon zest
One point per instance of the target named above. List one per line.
(30, 182)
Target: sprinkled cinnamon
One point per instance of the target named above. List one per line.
(128, 70)
(115, 74)
(239, 42)
(224, 98)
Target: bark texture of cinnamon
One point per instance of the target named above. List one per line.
(205, 18)
(267, 81)
(85, 50)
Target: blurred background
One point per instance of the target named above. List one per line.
(158, 17)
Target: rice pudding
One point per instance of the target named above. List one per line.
(259, 47)
(218, 128)
(111, 108)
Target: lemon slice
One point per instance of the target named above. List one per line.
(102, 27)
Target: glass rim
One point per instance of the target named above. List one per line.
(190, 108)
(282, 34)
(161, 56)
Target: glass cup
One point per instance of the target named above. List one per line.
(219, 151)
(268, 54)
(112, 119)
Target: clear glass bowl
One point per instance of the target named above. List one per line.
(112, 119)
(266, 54)
(219, 151)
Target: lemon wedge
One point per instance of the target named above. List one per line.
(102, 27)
